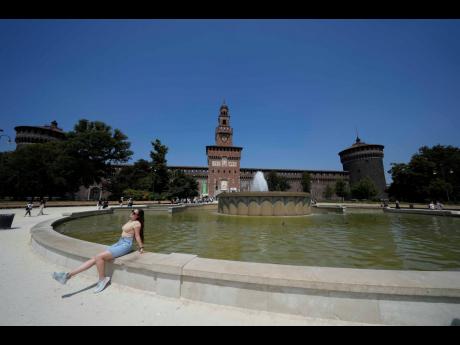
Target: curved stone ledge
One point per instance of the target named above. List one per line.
(87, 213)
(267, 204)
(361, 295)
(184, 207)
(331, 208)
(427, 212)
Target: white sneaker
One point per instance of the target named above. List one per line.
(101, 284)
(61, 277)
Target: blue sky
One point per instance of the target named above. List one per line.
(296, 89)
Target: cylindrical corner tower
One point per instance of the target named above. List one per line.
(38, 134)
(365, 160)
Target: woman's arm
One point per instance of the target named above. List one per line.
(137, 235)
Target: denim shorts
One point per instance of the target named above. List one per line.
(122, 247)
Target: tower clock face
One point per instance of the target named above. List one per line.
(224, 138)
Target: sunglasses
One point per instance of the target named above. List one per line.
(134, 212)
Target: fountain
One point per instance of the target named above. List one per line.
(260, 202)
(259, 184)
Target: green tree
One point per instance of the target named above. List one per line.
(160, 173)
(120, 181)
(276, 182)
(136, 194)
(401, 187)
(341, 189)
(306, 182)
(364, 189)
(96, 147)
(272, 180)
(137, 177)
(60, 168)
(39, 170)
(432, 173)
(6, 172)
(141, 175)
(283, 184)
(182, 186)
(439, 189)
(329, 192)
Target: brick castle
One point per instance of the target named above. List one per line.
(224, 173)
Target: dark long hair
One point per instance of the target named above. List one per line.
(140, 218)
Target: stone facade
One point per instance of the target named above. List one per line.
(223, 158)
(320, 179)
(365, 160)
(224, 173)
(38, 134)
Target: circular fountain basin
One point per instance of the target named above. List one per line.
(265, 204)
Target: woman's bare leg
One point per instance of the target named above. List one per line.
(105, 255)
(100, 262)
(88, 264)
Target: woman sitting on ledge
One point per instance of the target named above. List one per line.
(134, 228)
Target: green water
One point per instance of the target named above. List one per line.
(357, 239)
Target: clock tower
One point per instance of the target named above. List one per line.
(223, 158)
(224, 132)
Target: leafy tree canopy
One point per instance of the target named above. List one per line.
(183, 186)
(306, 182)
(96, 147)
(60, 168)
(160, 171)
(432, 173)
(277, 183)
(329, 192)
(364, 189)
(341, 188)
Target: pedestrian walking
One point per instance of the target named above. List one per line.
(42, 206)
(29, 208)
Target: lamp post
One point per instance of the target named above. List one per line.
(447, 191)
(153, 182)
(5, 135)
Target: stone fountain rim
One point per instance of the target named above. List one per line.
(236, 194)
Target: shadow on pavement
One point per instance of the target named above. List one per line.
(76, 292)
(455, 322)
